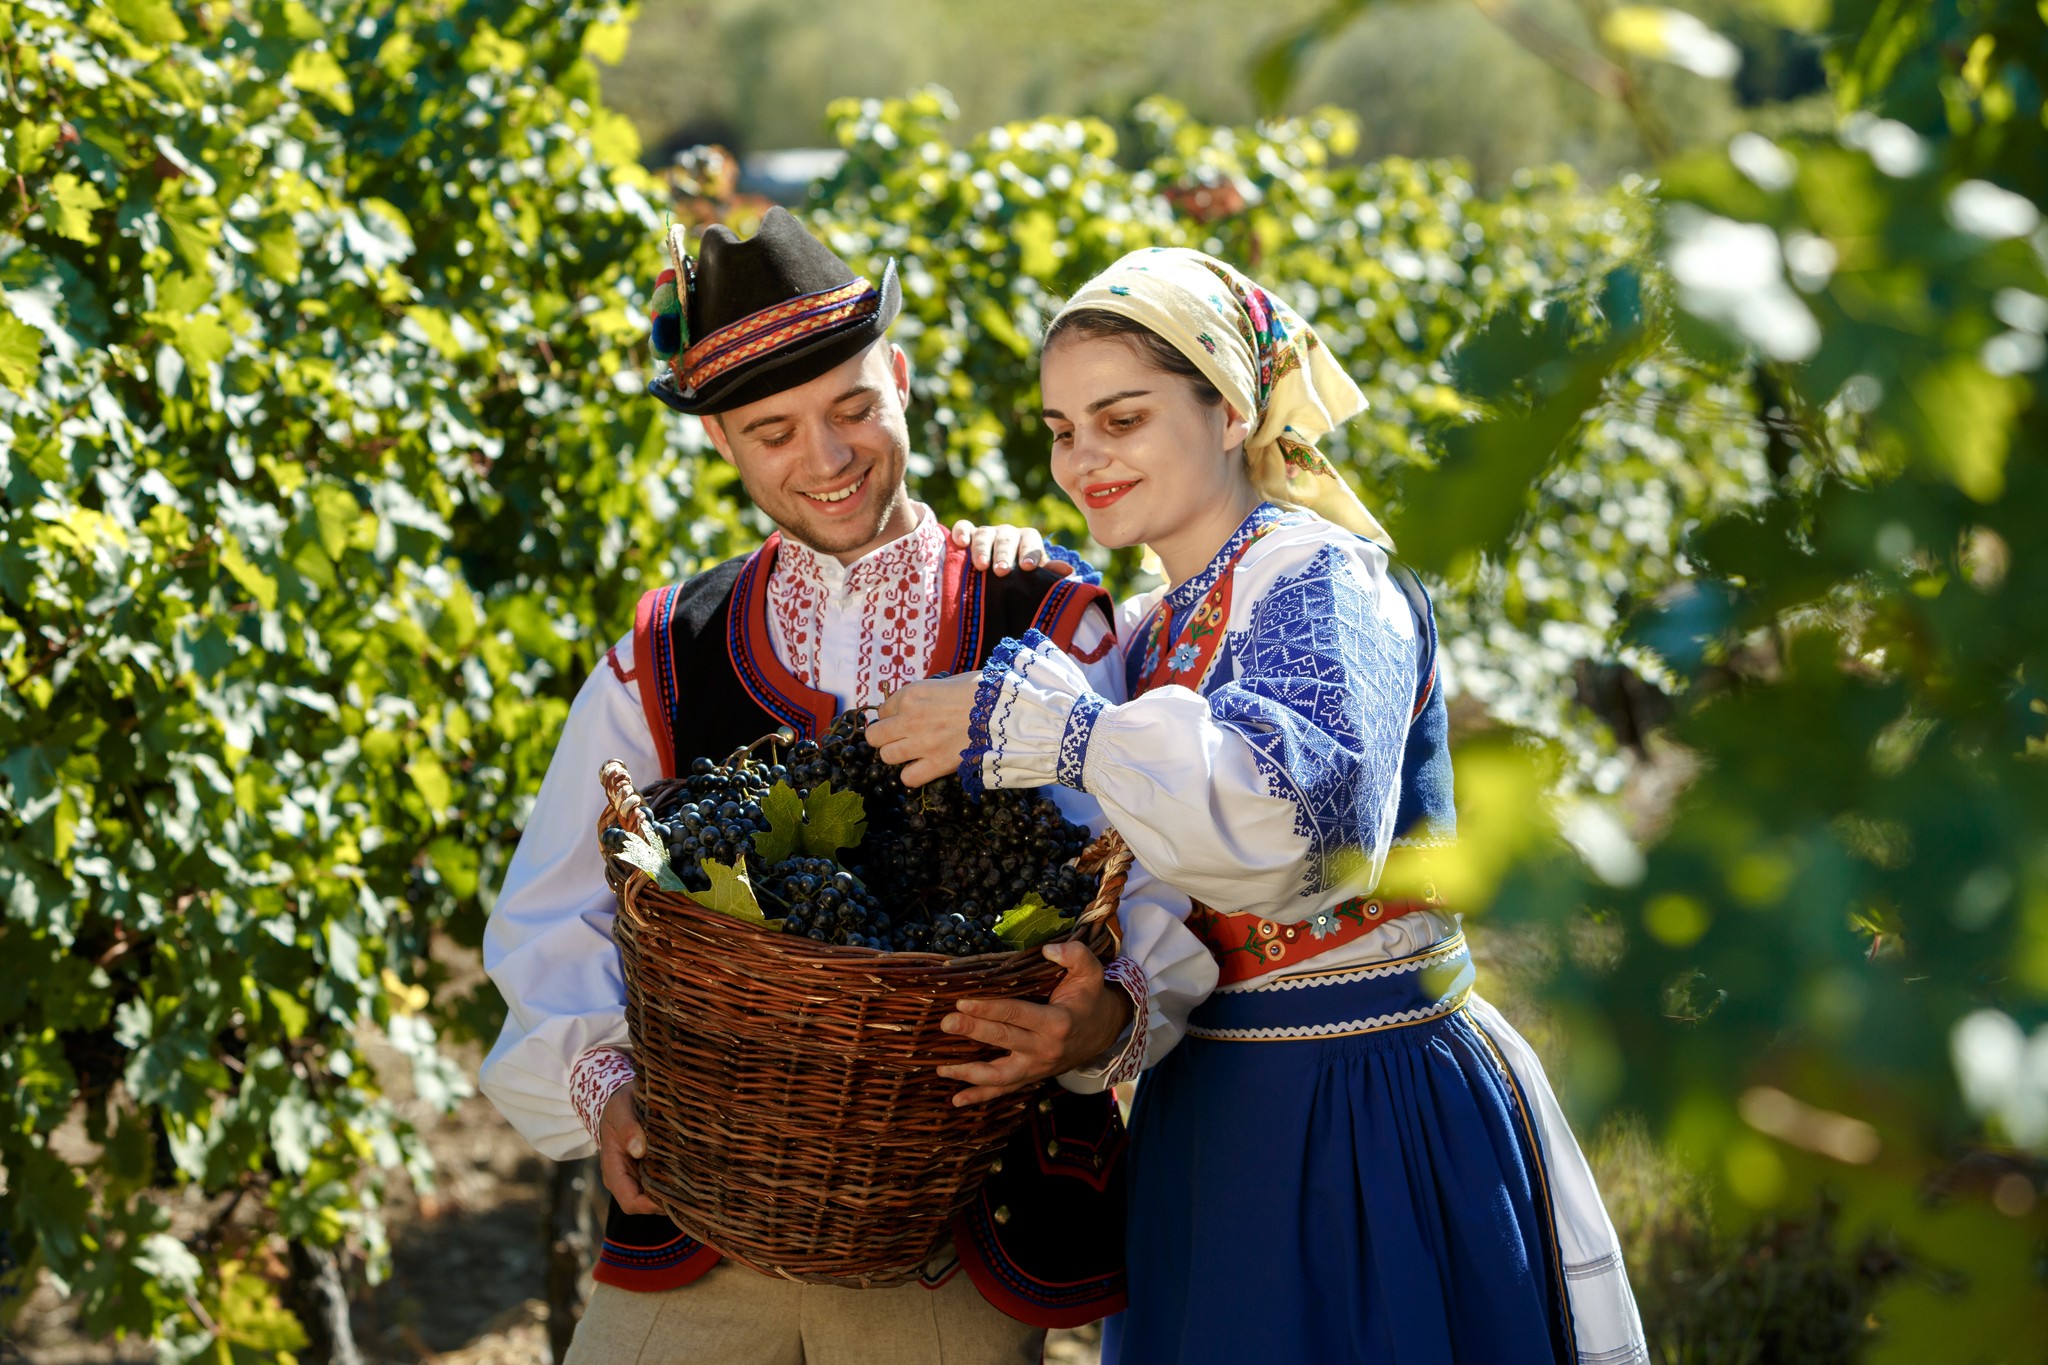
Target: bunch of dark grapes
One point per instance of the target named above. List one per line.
(719, 815)
(934, 872)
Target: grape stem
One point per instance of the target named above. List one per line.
(782, 734)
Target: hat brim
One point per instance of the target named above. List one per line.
(787, 368)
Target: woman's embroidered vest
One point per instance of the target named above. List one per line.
(1044, 1240)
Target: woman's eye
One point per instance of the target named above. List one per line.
(1062, 438)
(1125, 423)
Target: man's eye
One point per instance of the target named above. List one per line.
(781, 440)
(861, 416)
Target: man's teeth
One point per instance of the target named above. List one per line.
(843, 494)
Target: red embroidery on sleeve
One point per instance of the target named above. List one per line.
(593, 1079)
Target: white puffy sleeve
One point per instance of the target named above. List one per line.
(548, 946)
(1275, 793)
(1166, 970)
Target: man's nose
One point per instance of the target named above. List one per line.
(830, 451)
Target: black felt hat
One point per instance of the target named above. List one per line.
(761, 315)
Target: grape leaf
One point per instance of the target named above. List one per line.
(1031, 922)
(784, 811)
(640, 852)
(832, 821)
(731, 893)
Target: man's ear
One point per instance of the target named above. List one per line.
(899, 370)
(714, 427)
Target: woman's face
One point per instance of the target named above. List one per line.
(1144, 459)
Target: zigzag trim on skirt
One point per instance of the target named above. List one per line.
(1349, 1028)
(1451, 947)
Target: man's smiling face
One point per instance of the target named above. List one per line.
(825, 460)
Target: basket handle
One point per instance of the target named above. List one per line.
(1113, 858)
(623, 806)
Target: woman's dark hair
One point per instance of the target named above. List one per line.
(1150, 346)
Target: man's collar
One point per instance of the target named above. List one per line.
(885, 563)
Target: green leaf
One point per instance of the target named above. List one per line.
(316, 72)
(432, 781)
(21, 348)
(1031, 922)
(153, 21)
(832, 821)
(71, 206)
(194, 225)
(731, 892)
(784, 811)
(641, 853)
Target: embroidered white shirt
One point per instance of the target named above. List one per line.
(870, 626)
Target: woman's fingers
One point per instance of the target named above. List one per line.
(1000, 547)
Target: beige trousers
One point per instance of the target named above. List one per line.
(736, 1316)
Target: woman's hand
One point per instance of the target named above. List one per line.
(999, 547)
(923, 726)
(1084, 1016)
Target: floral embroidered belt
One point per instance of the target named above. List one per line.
(1246, 946)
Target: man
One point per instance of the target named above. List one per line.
(781, 350)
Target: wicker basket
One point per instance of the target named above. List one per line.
(793, 1117)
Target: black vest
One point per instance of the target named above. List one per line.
(1044, 1240)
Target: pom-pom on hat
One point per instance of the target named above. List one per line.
(757, 316)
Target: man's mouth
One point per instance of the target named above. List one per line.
(842, 494)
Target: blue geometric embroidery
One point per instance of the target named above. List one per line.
(1322, 692)
(1186, 595)
(1074, 739)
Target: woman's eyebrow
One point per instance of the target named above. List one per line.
(1098, 405)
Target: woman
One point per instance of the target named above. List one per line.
(1350, 1156)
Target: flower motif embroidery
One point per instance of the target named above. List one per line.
(1207, 341)
(1121, 291)
(1323, 923)
(1185, 655)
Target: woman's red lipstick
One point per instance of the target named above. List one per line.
(1100, 495)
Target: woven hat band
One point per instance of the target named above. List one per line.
(773, 329)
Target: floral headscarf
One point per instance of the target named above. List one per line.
(1268, 364)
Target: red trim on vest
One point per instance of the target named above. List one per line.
(650, 632)
(1060, 615)
(954, 649)
(652, 1281)
(1246, 946)
(993, 1287)
(752, 651)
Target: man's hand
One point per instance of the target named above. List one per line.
(999, 547)
(620, 1145)
(1084, 1016)
(923, 726)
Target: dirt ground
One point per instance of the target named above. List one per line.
(468, 1261)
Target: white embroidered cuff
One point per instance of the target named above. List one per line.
(1127, 1058)
(593, 1079)
(1035, 718)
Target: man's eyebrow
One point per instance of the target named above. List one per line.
(857, 391)
(1097, 406)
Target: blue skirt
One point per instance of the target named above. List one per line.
(1338, 1166)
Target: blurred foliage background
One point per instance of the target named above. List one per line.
(1702, 351)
